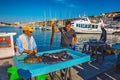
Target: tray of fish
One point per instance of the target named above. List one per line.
(47, 58)
(55, 57)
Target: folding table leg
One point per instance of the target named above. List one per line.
(63, 75)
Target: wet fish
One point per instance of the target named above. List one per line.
(55, 57)
(52, 37)
(32, 58)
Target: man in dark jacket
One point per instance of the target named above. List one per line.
(103, 36)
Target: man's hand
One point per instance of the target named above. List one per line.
(74, 41)
(53, 25)
(30, 51)
(54, 28)
(34, 50)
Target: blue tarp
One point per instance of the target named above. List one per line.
(116, 46)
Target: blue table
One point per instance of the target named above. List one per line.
(32, 70)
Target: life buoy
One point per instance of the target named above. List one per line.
(7, 40)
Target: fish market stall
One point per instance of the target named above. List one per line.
(31, 70)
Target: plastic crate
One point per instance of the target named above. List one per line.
(12, 73)
(40, 77)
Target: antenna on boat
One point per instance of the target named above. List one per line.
(79, 16)
(69, 14)
(50, 14)
(84, 14)
(45, 18)
(101, 21)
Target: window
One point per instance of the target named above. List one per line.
(79, 25)
(93, 26)
(76, 25)
(86, 26)
(96, 26)
(83, 25)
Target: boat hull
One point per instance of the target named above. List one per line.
(92, 31)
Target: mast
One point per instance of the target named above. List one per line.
(44, 18)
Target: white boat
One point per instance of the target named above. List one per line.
(85, 26)
(37, 27)
(6, 45)
(48, 28)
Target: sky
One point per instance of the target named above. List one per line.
(37, 10)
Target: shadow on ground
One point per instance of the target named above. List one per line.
(3, 70)
(98, 71)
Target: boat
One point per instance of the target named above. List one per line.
(48, 28)
(7, 48)
(37, 27)
(43, 29)
(86, 26)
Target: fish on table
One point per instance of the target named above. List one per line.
(47, 58)
(32, 58)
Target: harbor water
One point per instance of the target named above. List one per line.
(42, 38)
